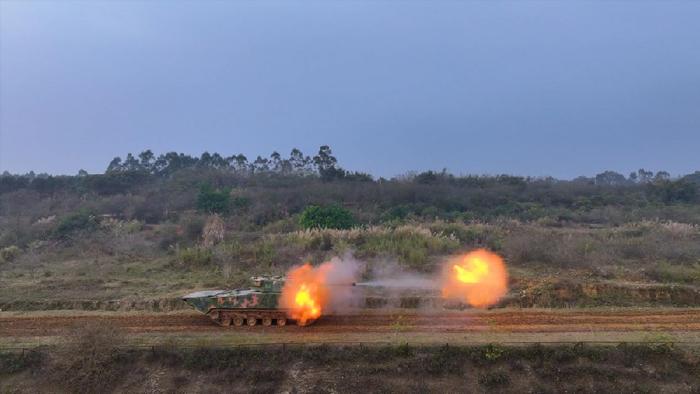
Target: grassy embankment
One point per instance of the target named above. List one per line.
(320, 369)
(127, 266)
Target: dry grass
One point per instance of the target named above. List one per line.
(91, 360)
(129, 262)
(636, 244)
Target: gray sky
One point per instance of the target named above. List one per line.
(559, 88)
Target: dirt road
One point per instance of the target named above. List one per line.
(516, 321)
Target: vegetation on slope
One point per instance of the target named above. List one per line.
(157, 226)
(102, 366)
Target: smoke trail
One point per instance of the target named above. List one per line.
(403, 281)
(342, 274)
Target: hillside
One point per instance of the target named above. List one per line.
(152, 228)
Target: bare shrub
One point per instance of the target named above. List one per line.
(213, 231)
(631, 244)
(193, 226)
(227, 271)
(168, 235)
(9, 253)
(684, 230)
(118, 227)
(531, 244)
(227, 252)
(90, 362)
(475, 234)
(658, 241)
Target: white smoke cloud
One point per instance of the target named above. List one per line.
(388, 280)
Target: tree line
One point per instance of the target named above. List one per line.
(323, 164)
(136, 170)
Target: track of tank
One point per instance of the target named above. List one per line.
(551, 321)
(251, 317)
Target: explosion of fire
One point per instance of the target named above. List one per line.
(305, 293)
(478, 278)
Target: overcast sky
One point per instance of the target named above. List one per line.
(559, 88)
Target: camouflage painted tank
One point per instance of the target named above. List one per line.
(243, 306)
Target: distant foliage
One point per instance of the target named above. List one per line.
(169, 163)
(76, 222)
(214, 201)
(193, 226)
(610, 178)
(681, 191)
(194, 256)
(272, 191)
(9, 254)
(333, 216)
(323, 164)
(114, 182)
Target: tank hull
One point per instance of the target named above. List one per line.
(236, 299)
(253, 306)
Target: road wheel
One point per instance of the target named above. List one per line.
(252, 321)
(237, 321)
(282, 321)
(267, 321)
(225, 321)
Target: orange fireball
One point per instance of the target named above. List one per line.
(304, 301)
(305, 293)
(478, 278)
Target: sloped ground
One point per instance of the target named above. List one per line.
(635, 264)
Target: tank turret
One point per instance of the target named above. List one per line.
(268, 283)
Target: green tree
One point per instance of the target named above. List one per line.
(325, 163)
(610, 178)
(261, 164)
(332, 216)
(115, 165)
(147, 160)
(662, 176)
(131, 163)
(214, 201)
(325, 159)
(299, 162)
(644, 176)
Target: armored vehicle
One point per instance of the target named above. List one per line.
(258, 303)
